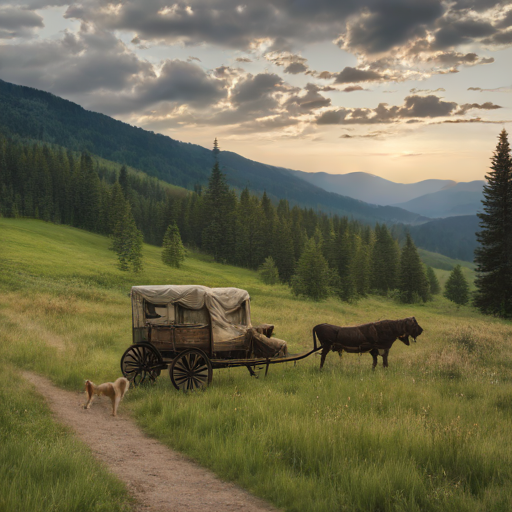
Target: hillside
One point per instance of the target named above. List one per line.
(38, 115)
(461, 199)
(372, 189)
(454, 236)
(66, 315)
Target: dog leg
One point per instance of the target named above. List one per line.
(115, 403)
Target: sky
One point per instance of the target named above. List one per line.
(404, 89)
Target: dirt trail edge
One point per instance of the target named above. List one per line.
(159, 478)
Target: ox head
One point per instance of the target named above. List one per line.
(411, 328)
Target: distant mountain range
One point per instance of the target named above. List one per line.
(430, 198)
(459, 199)
(33, 114)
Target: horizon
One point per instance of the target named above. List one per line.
(403, 90)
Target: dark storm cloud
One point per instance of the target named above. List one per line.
(384, 25)
(353, 75)
(18, 22)
(501, 38)
(506, 21)
(461, 32)
(223, 22)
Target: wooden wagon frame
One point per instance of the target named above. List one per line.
(192, 330)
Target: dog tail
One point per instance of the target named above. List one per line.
(124, 384)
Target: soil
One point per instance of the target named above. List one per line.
(159, 478)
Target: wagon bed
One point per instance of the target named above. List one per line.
(191, 330)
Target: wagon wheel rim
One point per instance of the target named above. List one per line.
(191, 370)
(140, 364)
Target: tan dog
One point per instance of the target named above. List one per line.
(114, 390)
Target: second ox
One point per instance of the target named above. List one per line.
(376, 337)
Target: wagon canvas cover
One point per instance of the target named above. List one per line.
(220, 302)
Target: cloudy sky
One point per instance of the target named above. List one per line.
(404, 89)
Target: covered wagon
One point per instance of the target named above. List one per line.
(191, 330)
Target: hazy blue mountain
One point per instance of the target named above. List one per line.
(33, 114)
(372, 189)
(454, 236)
(461, 199)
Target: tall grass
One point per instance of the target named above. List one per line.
(42, 465)
(431, 433)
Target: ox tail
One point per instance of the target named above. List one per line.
(315, 345)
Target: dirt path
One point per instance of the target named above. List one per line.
(159, 478)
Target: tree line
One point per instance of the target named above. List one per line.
(58, 185)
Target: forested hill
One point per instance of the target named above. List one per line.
(33, 114)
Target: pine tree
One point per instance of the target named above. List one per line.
(385, 261)
(173, 253)
(127, 240)
(413, 283)
(219, 214)
(433, 282)
(313, 277)
(123, 180)
(494, 256)
(268, 271)
(283, 252)
(456, 288)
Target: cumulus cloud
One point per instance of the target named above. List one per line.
(293, 64)
(88, 61)
(353, 75)
(414, 108)
(18, 22)
(352, 88)
(470, 106)
(384, 25)
(311, 100)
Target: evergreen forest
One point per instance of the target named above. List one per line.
(58, 185)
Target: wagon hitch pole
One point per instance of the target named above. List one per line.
(266, 369)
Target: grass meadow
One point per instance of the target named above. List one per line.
(432, 433)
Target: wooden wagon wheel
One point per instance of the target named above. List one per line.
(191, 370)
(141, 363)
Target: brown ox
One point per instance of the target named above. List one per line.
(376, 337)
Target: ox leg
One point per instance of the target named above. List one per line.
(385, 358)
(325, 351)
(374, 354)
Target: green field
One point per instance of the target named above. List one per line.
(432, 433)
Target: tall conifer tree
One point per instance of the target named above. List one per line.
(173, 253)
(494, 255)
(413, 283)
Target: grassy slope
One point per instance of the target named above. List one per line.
(431, 433)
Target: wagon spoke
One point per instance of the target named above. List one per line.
(191, 370)
(141, 363)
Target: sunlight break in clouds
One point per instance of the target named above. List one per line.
(271, 79)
